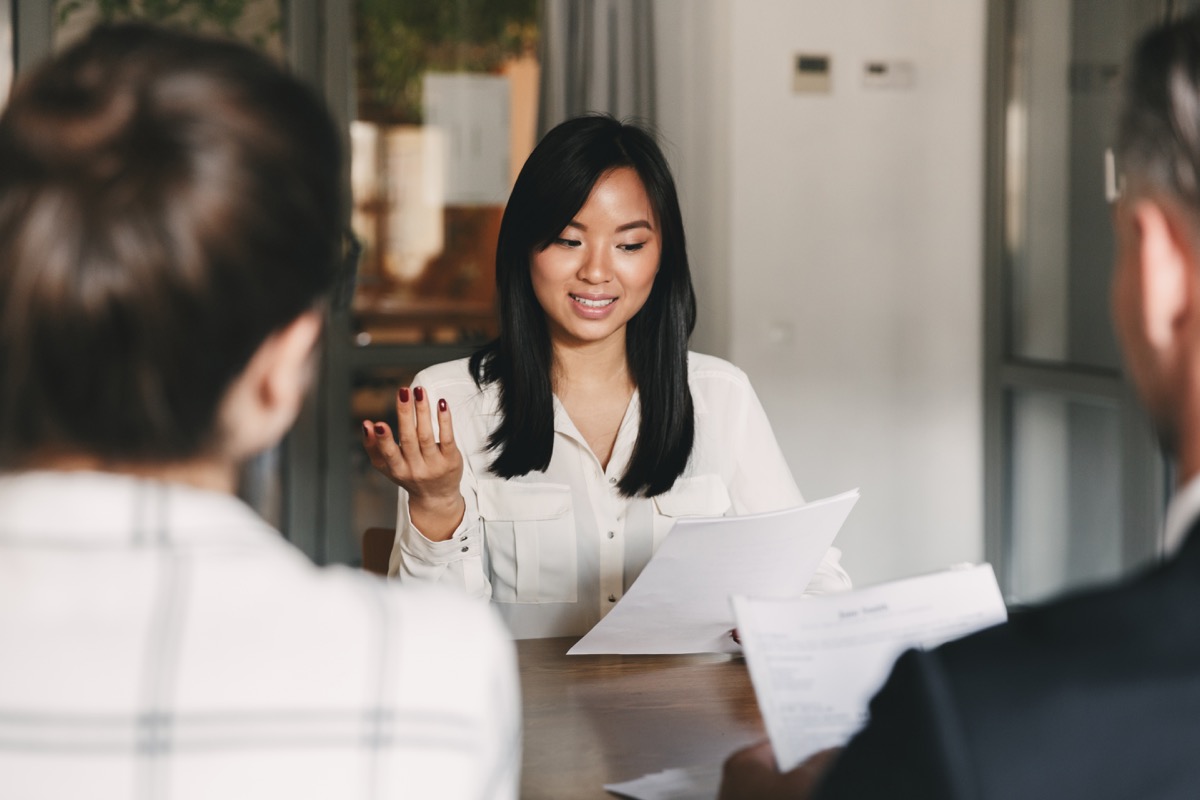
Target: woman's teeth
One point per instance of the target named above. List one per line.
(583, 301)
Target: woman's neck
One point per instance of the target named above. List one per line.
(594, 385)
(596, 366)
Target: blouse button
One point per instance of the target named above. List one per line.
(612, 534)
(612, 598)
(465, 549)
(612, 481)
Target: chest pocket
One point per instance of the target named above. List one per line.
(697, 496)
(529, 530)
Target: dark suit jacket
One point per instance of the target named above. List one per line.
(1092, 697)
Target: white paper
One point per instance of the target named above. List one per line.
(691, 783)
(815, 662)
(470, 112)
(680, 602)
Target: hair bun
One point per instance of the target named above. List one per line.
(78, 131)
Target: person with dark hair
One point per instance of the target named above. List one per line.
(586, 428)
(1095, 695)
(170, 226)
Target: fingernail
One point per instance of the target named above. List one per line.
(380, 430)
(366, 429)
(403, 394)
(419, 393)
(442, 404)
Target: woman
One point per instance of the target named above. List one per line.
(587, 427)
(169, 225)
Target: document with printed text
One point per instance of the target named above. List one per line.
(680, 601)
(815, 662)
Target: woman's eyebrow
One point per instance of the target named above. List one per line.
(628, 226)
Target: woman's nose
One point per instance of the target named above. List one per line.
(596, 267)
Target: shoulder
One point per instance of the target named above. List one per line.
(425, 634)
(426, 612)
(343, 624)
(417, 613)
(717, 385)
(701, 365)
(705, 370)
(1081, 697)
(1102, 670)
(447, 373)
(450, 379)
(1083, 630)
(437, 664)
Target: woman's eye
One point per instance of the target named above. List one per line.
(632, 248)
(568, 242)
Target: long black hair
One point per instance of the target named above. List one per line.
(553, 185)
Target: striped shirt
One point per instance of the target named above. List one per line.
(159, 641)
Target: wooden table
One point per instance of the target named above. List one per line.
(592, 720)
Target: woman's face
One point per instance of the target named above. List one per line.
(598, 273)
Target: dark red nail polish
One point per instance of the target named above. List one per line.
(442, 404)
(419, 393)
(380, 430)
(403, 394)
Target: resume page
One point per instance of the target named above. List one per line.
(815, 662)
(680, 602)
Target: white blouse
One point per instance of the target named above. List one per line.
(555, 550)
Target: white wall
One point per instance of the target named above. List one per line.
(845, 250)
(693, 60)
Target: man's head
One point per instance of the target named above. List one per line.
(169, 206)
(1156, 283)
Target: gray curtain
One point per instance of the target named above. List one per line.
(6, 51)
(596, 55)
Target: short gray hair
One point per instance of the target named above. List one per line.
(1158, 139)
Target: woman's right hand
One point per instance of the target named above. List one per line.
(429, 469)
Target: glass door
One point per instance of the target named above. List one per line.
(1076, 485)
(440, 104)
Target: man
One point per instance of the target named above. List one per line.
(169, 224)
(1097, 695)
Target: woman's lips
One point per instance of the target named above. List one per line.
(593, 306)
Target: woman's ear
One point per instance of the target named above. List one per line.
(293, 364)
(264, 400)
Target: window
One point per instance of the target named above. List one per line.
(257, 22)
(446, 105)
(444, 113)
(1075, 483)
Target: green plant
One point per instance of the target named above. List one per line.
(224, 16)
(399, 40)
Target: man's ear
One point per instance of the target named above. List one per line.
(1167, 273)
